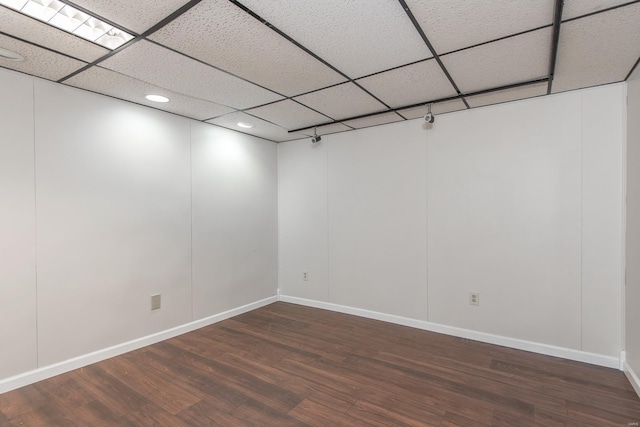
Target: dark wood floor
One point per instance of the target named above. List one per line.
(290, 365)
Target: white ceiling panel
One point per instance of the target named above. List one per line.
(378, 119)
(220, 33)
(507, 95)
(508, 61)
(38, 61)
(424, 81)
(161, 67)
(138, 15)
(101, 80)
(574, 8)
(289, 114)
(260, 127)
(359, 37)
(328, 129)
(586, 60)
(439, 108)
(455, 24)
(341, 102)
(34, 31)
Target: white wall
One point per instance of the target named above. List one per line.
(113, 221)
(504, 220)
(525, 211)
(113, 191)
(632, 297)
(17, 226)
(603, 141)
(377, 220)
(302, 220)
(235, 209)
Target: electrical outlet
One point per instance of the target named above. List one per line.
(474, 298)
(305, 276)
(156, 302)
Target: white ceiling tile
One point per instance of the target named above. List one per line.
(341, 102)
(359, 37)
(513, 60)
(455, 24)
(574, 8)
(38, 61)
(101, 80)
(289, 114)
(138, 15)
(439, 108)
(34, 31)
(328, 129)
(260, 128)
(507, 95)
(598, 49)
(220, 33)
(378, 119)
(421, 82)
(161, 67)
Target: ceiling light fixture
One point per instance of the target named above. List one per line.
(315, 139)
(70, 19)
(157, 98)
(10, 55)
(245, 125)
(429, 118)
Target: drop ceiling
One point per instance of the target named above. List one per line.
(289, 66)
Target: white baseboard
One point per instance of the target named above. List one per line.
(633, 378)
(49, 371)
(550, 350)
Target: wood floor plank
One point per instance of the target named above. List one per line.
(204, 414)
(375, 414)
(254, 388)
(316, 414)
(109, 390)
(22, 400)
(551, 419)
(151, 415)
(96, 414)
(602, 416)
(452, 419)
(288, 365)
(163, 393)
(263, 415)
(217, 394)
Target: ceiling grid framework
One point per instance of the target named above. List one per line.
(292, 68)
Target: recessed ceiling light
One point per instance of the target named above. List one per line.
(70, 19)
(157, 98)
(245, 125)
(10, 55)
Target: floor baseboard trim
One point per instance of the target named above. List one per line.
(550, 350)
(633, 378)
(49, 371)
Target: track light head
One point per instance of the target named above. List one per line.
(315, 138)
(429, 118)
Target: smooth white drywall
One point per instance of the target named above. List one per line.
(113, 222)
(235, 211)
(504, 220)
(112, 183)
(302, 220)
(602, 205)
(17, 226)
(522, 202)
(632, 288)
(377, 219)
